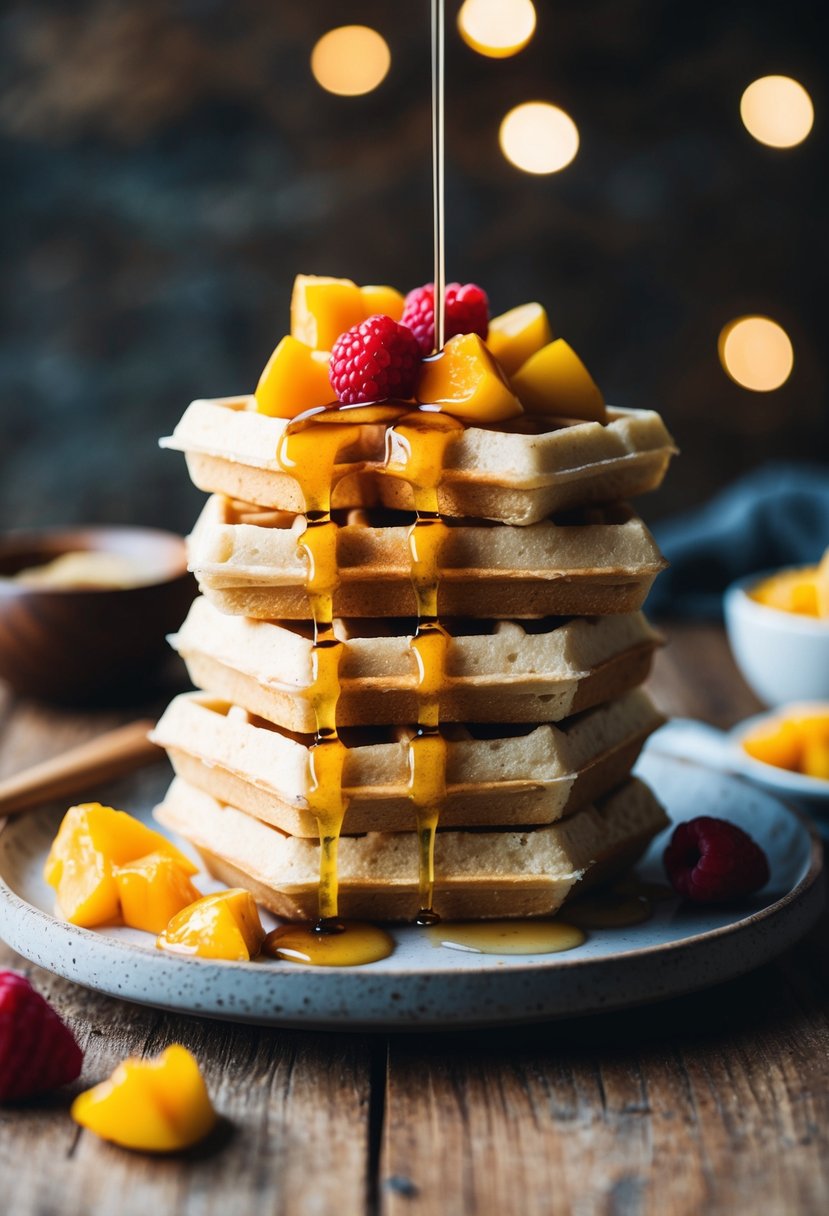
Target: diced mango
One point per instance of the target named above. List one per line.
(816, 756)
(554, 381)
(517, 334)
(295, 379)
(152, 890)
(223, 925)
(465, 380)
(385, 300)
(777, 742)
(323, 308)
(789, 591)
(822, 586)
(92, 840)
(157, 1106)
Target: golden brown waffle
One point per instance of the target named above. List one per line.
(495, 775)
(478, 875)
(517, 473)
(495, 671)
(589, 563)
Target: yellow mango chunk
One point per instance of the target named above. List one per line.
(91, 842)
(517, 334)
(295, 379)
(322, 309)
(777, 742)
(385, 300)
(815, 761)
(822, 585)
(158, 1106)
(223, 925)
(152, 890)
(465, 380)
(790, 591)
(555, 381)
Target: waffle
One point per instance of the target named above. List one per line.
(495, 775)
(591, 563)
(496, 671)
(510, 872)
(520, 474)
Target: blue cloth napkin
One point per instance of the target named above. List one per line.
(777, 515)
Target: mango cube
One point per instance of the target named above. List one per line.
(517, 334)
(91, 842)
(776, 742)
(790, 591)
(152, 890)
(158, 1106)
(323, 308)
(295, 379)
(465, 380)
(555, 381)
(385, 300)
(223, 925)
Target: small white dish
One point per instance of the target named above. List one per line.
(783, 656)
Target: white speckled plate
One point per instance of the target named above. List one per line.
(421, 985)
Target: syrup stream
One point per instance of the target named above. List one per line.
(438, 160)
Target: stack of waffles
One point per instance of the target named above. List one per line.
(543, 570)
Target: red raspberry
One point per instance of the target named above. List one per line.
(711, 861)
(37, 1051)
(374, 360)
(467, 312)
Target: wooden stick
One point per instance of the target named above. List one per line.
(111, 755)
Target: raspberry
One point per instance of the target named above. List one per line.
(710, 861)
(374, 360)
(467, 312)
(37, 1051)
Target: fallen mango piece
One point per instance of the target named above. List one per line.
(790, 591)
(555, 381)
(385, 300)
(323, 308)
(516, 335)
(295, 379)
(158, 1106)
(151, 890)
(466, 380)
(224, 925)
(91, 842)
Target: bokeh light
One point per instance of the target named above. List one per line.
(350, 60)
(777, 111)
(538, 137)
(757, 353)
(497, 28)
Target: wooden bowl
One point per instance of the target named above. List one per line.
(77, 645)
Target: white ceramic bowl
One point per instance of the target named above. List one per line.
(783, 656)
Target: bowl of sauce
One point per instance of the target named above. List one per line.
(84, 612)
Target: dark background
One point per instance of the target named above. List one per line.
(168, 167)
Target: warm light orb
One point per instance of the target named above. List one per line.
(777, 111)
(497, 28)
(756, 352)
(538, 137)
(350, 60)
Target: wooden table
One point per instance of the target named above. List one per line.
(715, 1103)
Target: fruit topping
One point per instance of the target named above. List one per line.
(151, 890)
(157, 1106)
(466, 312)
(712, 861)
(555, 381)
(92, 841)
(323, 308)
(797, 740)
(223, 925)
(466, 380)
(38, 1052)
(517, 334)
(375, 360)
(295, 379)
(385, 300)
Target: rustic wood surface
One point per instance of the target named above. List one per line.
(715, 1103)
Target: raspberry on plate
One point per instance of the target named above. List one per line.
(466, 312)
(711, 861)
(37, 1051)
(373, 361)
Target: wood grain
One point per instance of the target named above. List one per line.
(716, 1103)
